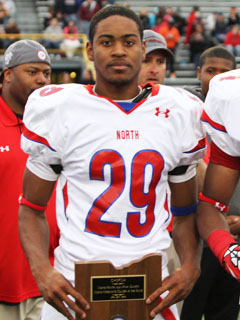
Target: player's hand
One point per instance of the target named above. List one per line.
(234, 224)
(231, 261)
(56, 290)
(179, 284)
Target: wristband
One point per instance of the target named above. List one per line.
(219, 241)
(218, 205)
(184, 211)
(25, 202)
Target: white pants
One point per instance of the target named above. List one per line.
(49, 313)
(28, 309)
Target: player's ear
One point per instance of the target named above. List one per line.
(8, 75)
(199, 73)
(89, 51)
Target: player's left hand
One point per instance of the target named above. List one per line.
(179, 284)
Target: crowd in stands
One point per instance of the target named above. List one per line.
(73, 16)
(7, 22)
(66, 18)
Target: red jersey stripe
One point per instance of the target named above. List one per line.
(34, 137)
(201, 144)
(220, 157)
(215, 125)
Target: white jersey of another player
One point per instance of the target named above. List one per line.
(222, 113)
(112, 191)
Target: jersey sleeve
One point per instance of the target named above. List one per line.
(221, 113)
(43, 135)
(193, 139)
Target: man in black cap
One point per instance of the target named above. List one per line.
(26, 67)
(155, 64)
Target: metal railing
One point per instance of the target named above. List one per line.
(62, 52)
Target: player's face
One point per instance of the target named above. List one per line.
(26, 78)
(211, 68)
(153, 68)
(117, 51)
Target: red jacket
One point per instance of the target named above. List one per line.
(16, 281)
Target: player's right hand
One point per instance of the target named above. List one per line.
(59, 292)
(231, 260)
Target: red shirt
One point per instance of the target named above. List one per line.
(16, 281)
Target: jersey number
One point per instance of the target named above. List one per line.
(142, 193)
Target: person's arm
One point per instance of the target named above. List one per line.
(201, 171)
(34, 237)
(188, 247)
(220, 183)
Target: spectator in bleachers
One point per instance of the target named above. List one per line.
(160, 13)
(160, 23)
(233, 17)
(143, 15)
(10, 6)
(232, 40)
(61, 21)
(87, 77)
(190, 23)
(71, 41)
(180, 21)
(152, 18)
(4, 15)
(68, 8)
(65, 77)
(104, 3)
(47, 18)
(210, 23)
(199, 42)
(2, 41)
(172, 37)
(169, 13)
(221, 28)
(86, 11)
(11, 29)
(53, 41)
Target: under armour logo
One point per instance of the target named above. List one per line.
(220, 206)
(6, 148)
(158, 111)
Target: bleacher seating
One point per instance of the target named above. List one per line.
(31, 14)
(185, 72)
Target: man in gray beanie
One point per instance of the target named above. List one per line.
(157, 53)
(26, 67)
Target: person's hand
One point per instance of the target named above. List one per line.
(234, 224)
(56, 290)
(179, 284)
(231, 261)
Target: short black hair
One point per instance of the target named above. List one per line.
(111, 11)
(217, 52)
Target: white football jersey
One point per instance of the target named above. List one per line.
(222, 113)
(112, 191)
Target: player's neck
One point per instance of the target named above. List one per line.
(115, 92)
(12, 103)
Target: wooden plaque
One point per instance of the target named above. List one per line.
(119, 293)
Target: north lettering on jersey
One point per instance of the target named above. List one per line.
(6, 148)
(127, 134)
